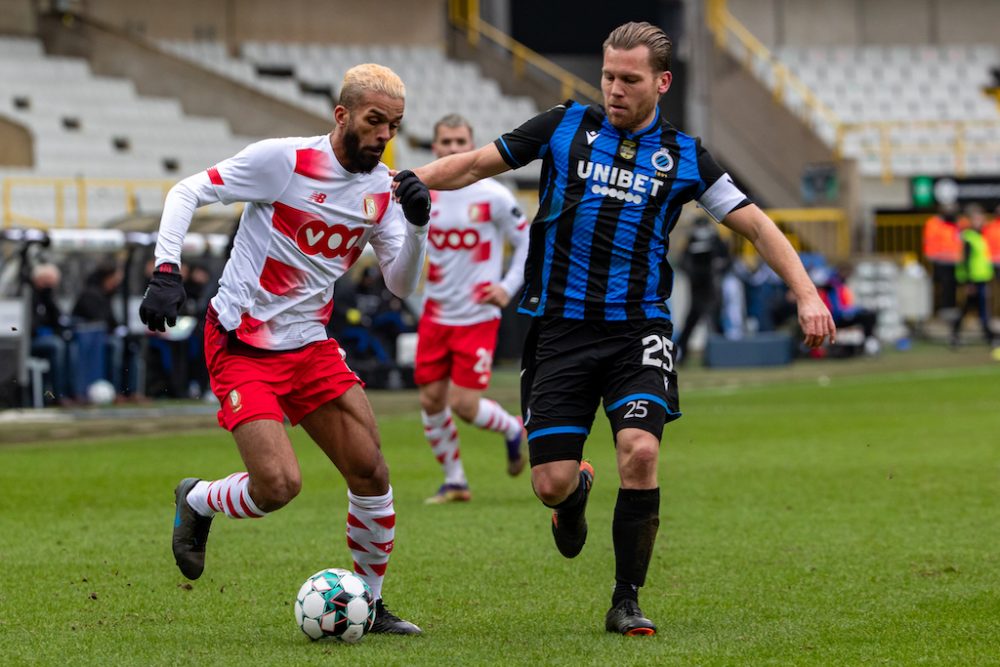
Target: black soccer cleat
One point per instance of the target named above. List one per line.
(625, 618)
(190, 532)
(388, 623)
(569, 527)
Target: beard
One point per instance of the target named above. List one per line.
(362, 160)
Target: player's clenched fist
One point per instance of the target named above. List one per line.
(163, 298)
(414, 197)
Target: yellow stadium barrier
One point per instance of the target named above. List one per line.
(821, 230)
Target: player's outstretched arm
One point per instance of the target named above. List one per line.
(814, 317)
(462, 169)
(164, 293)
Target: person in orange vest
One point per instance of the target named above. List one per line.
(974, 272)
(991, 232)
(943, 249)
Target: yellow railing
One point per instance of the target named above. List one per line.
(464, 15)
(80, 192)
(825, 230)
(789, 90)
(821, 230)
(754, 54)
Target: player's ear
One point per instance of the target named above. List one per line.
(340, 115)
(663, 82)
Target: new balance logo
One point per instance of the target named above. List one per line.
(591, 137)
(317, 197)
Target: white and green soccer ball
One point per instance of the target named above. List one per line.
(335, 603)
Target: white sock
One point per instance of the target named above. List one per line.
(442, 435)
(492, 417)
(230, 495)
(371, 531)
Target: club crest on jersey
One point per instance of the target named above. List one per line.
(627, 149)
(235, 400)
(374, 205)
(479, 212)
(662, 160)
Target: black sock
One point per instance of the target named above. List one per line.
(573, 500)
(637, 518)
(624, 591)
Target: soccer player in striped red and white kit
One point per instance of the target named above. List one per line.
(466, 288)
(312, 205)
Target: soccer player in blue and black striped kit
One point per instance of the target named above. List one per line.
(614, 179)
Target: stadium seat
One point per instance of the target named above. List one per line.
(901, 83)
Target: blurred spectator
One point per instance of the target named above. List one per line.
(991, 232)
(50, 331)
(369, 318)
(767, 305)
(973, 273)
(732, 314)
(839, 299)
(943, 249)
(199, 289)
(94, 304)
(705, 261)
(94, 312)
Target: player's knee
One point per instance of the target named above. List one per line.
(368, 476)
(430, 403)
(274, 491)
(550, 489)
(464, 406)
(639, 455)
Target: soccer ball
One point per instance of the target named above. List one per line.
(335, 603)
(101, 392)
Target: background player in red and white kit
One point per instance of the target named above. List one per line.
(465, 290)
(312, 205)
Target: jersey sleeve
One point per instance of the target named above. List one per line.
(258, 173)
(400, 248)
(514, 226)
(717, 193)
(530, 141)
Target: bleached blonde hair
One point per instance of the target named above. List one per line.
(369, 78)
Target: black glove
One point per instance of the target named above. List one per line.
(163, 298)
(414, 197)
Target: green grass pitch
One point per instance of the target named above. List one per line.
(853, 522)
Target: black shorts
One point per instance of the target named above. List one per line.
(571, 365)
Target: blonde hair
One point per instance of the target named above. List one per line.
(369, 78)
(635, 34)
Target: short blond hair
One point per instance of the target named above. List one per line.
(369, 78)
(635, 34)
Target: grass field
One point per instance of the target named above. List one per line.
(849, 522)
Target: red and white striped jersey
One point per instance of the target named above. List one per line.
(306, 222)
(465, 251)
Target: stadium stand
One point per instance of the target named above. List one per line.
(435, 85)
(98, 126)
(94, 127)
(913, 87)
(898, 109)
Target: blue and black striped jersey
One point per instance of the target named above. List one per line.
(608, 200)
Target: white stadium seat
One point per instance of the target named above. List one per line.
(903, 83)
